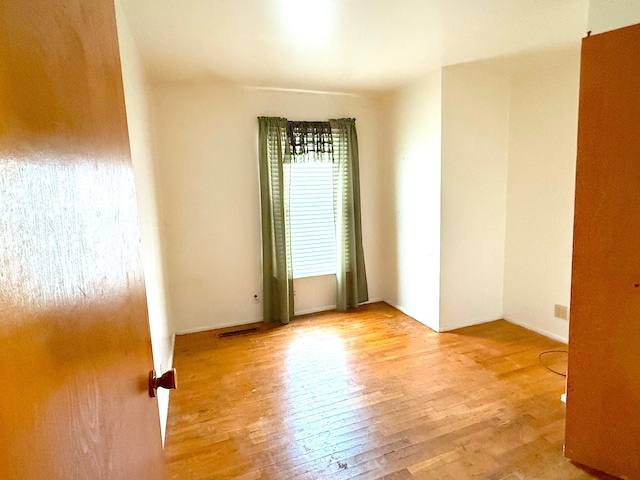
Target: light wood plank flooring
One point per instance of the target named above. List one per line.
(368, 394)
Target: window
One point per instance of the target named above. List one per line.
(312, 223)
(308, 174)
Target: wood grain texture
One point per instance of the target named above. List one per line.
(603, 422)
(74, 337)
(367, 394)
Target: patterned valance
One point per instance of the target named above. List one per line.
(309, 141)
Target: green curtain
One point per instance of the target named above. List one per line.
(274, 150)
(277, 274)
(351, 277)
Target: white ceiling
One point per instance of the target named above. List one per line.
(341, 45)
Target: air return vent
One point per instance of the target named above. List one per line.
(238, 332)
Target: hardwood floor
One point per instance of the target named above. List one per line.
(368, 394)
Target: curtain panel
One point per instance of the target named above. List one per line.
(277, 274)
(279, 142)
(351, 277)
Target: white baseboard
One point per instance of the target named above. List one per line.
(216, 327)
(164, 396)
(533, 328)
(314, 310)
(373, 300)
(406, 312)
(241, 323)
(172, 350)
(331, 307)
(539, 330)
(480, 321)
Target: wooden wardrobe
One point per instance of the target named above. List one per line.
(603, 383)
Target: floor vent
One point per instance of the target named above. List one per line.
(237, 332)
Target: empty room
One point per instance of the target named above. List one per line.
(328, 239)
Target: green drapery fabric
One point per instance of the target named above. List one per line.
(351, 278)
(276, 145)
(277, 274)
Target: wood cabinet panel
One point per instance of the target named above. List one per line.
(603, 388)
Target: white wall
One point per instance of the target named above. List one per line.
(461, 116)
(607, 15)
(140, 139)
(445, 147)
(541, 179)
(475, 135)
(494, 234)
(540, 194)
(208, 172)
(410, 127)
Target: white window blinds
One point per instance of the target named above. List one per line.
(313, 242)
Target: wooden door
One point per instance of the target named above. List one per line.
(603, 396)
(74, 336)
